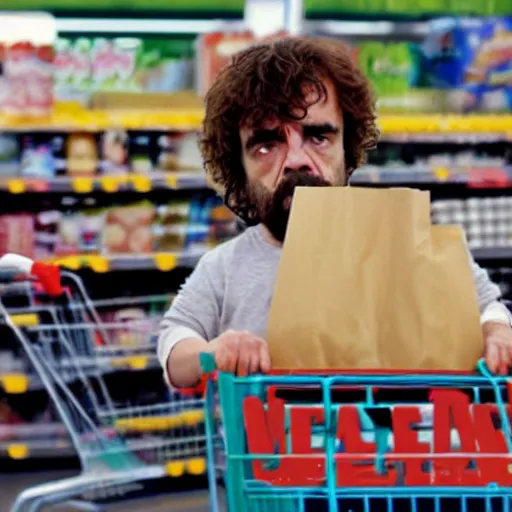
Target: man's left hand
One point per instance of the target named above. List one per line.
(498, 346)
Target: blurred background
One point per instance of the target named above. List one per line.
(100, 111)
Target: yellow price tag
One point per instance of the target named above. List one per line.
(133, 362)
(15, 384)
(82, 185)
(441, 173)
(141, 183)
(175, 469)
(138, 362)
(110, 184)
(172, 181)
(25, 320)
(165, 262)
(17, 451)
(196, 466)
(16, 186)
(99, 264)
(71, 262)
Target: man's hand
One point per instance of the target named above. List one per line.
(241, 353)
(498, 346)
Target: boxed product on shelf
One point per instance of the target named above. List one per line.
(114, 152)
(46, 234)
(43, 155)
(395, 73)
(214, 51)
(10, 155)
(17, 234)
(123, 64)
(131, 326)
(26, 84)
(471, 60)
(128, 229)
(179, 151)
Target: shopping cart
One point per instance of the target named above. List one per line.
(361, 442)
(120, 440)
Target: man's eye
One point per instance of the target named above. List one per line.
(319, 139)
(264, 149)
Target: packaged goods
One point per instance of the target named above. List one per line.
(26, 87)
(82, 157)
(215, 50)
(128, 229)
(127, 64)
(472, 60)
(46, 234)
(395, 73)
(17, 234)
(9, 155)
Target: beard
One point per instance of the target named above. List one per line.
(274, 207)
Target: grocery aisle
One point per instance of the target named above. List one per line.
(175, 501)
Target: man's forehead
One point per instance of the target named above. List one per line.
(274, 124)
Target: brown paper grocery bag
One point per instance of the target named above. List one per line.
(365, 281)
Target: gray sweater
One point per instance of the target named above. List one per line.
(232, 286)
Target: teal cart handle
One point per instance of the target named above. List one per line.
(207, 361)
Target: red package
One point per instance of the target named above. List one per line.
(17, 234)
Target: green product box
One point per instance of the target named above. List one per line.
(394, 70)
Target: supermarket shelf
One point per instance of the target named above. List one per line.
(69, 117)
(155, 261)
(157, 180)
(492, 253)
(441, 128)
(19, 382)
(75, 118)
(63, 448)
(485, 177)
(37, 448)
(194, 180)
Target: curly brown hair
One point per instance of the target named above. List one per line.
(267, 81)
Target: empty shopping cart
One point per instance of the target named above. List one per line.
(120, 439)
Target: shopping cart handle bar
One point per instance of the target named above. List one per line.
(208, 366)
(48, 275)
(207, 361)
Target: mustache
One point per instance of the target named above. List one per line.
(286, 187)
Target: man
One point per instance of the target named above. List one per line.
(290, 113)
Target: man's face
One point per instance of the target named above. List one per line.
(279, 156)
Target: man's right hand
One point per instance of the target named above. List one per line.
(240, 352)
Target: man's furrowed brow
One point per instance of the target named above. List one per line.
(312, 129)
(262, 135)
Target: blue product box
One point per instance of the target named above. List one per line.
(472, 60)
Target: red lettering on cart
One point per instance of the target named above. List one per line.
(305, 465)
(452, 407)
(308, 470)
(357, 472)
(266, 436)
(492, 441)
(406, 442)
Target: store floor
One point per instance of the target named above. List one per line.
(175, 501)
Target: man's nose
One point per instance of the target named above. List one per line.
(297, 158)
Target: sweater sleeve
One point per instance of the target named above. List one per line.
(195, 311)
(487, 291)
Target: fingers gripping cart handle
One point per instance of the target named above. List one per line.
(47, 275)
